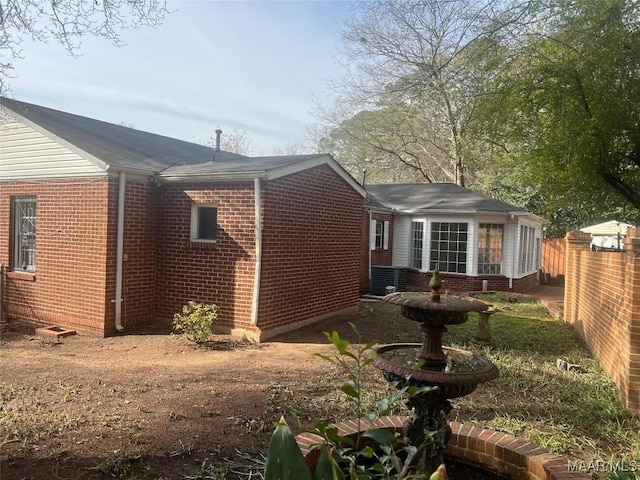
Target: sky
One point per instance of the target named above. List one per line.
(258, 67)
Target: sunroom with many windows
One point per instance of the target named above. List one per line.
(470, 238)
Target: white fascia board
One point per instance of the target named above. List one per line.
(131, 173)
(528, 214)
(452, 211)
(86, 155)
(219, 177)
(382, 210)
(115, 170)
(52, 177)
(315, 162)
(444, 211)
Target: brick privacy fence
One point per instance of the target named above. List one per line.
(497, 451)
(602, 302)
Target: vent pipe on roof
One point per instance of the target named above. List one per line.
(218, 133)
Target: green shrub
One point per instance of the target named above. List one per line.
(196, 320)
(342, 458)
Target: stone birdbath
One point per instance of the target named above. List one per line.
(454, 372)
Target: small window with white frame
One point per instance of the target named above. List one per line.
(24, 234)
(204, 223)
(379, 235)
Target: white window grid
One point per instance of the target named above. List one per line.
(448, 252)
(490, 248)
(417, 237)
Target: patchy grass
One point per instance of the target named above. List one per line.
(26, 417)
(572, 413)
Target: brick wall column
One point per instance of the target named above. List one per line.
(631, 302)
(574, 242)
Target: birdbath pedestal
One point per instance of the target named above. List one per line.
(482, 335)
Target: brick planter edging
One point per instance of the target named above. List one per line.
(500, 451)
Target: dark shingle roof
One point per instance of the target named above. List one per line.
(129, 148)
(237, 165)
(425, 197)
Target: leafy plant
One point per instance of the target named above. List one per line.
(630, 475)
(340, 456)
(196, 320)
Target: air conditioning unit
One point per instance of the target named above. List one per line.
(383, 276)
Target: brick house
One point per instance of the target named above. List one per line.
(408, 230)
(105, 227)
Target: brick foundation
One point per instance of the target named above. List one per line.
(494, 450)
(462, 283)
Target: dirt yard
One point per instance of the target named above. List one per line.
(151, 405)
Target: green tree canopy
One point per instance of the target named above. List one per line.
(534, 102)
(565, 106)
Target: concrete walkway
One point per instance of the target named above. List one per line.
(551, 295)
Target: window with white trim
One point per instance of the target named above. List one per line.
(204, 223)
(528, 248)
(448, 252)
(24, 234)
(490, 244)
(417, 235)
(379, 235)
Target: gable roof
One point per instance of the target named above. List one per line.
(168, 158)
(116, 145)
(612, 227)
(434, 197)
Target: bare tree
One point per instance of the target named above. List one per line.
(410, 67)
(67, 21)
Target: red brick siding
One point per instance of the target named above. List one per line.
(71, 253)
(602, 302)
(221, 273)
(311, 247)
(139, 269)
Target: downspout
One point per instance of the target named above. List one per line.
(515, 252)
(258, 267)
(119, 251)
(369, 243)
